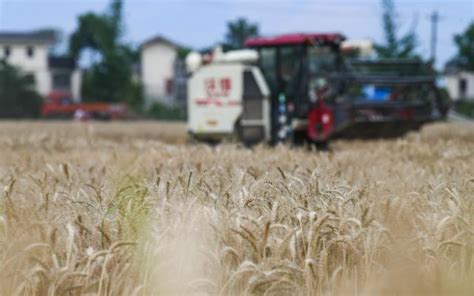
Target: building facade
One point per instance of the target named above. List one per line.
(460, 85)
(162, 72)
(30, 52)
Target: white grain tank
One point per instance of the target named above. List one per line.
(228, 97)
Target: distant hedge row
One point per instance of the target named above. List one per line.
(164, 112)
(465, 108)
(18, 97)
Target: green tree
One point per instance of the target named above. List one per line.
(110, 79)
(18, 98)
(464, 58)
(238, 31)
(394, 46)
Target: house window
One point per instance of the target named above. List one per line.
(7, 51)
(169, 83)
(462, 88)
(30, 51)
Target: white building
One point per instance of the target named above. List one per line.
(162, 72)
(460, 85)
(30, 52)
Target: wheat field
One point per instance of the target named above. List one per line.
(130, 209)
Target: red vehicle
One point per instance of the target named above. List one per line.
(60, 105)
(316, 95)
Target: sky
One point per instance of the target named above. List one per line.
(200, 23)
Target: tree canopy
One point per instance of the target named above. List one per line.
(18, 98)
(238, 31)
(464, 58)
(395, 46)
(110, 79)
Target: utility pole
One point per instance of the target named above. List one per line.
(434, 34)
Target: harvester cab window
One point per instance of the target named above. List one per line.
(322, 60)
(290, 68)
(268, 65)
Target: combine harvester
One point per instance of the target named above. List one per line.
(299, 88)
